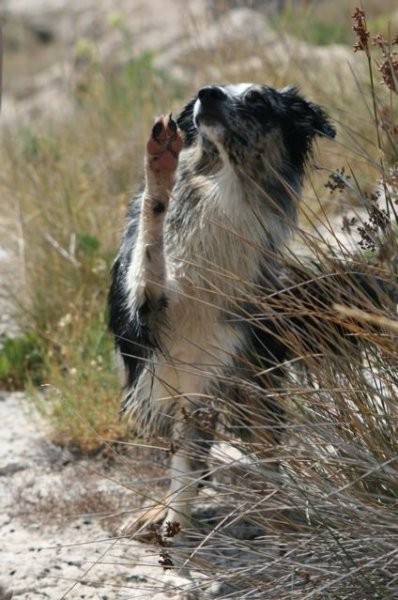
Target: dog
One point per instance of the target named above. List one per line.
(201, 244)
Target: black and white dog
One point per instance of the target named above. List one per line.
(201, 242)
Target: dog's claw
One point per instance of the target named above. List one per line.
(157, 129)
(172, 125)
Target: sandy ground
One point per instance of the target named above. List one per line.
(60, 514)
(53, 544)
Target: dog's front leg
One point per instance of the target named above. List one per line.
(183, 488)
(147, 278)
(148, 271)
(188, 468)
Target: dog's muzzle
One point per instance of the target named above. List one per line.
(209, 106)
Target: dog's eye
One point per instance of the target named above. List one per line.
(254, 97)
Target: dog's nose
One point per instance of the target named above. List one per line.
(210, 93)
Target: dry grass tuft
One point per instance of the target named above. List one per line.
(325, 525)
(70, 182)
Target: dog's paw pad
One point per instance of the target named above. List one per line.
(164, 145)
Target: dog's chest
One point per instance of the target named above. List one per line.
(224, 236)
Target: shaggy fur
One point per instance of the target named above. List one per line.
(200, 246)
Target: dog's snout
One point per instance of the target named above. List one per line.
(210, 93)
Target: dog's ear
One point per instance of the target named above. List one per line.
(301, 121)
(309, 118)
(186, 124)
(320, 121)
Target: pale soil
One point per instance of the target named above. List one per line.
(61, 514)
(57, 517)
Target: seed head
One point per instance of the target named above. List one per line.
(389, 72)
(359, 27)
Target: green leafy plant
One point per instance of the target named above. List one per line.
(23, 360)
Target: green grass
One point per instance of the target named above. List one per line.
(322, 22)
(22, 361)
(312, 28)
(81, 397)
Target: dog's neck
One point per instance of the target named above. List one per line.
(247, 198)
(232, 232)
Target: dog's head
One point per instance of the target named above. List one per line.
(254, 126)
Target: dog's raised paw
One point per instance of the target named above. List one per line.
(164, 145)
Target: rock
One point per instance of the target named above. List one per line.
(11, 468)
(177, 41)
(4, 594)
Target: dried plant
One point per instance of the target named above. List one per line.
(324, 525)
(360, 29)
(388, 66)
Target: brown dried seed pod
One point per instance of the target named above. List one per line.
(389, 72)
(359, 27)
